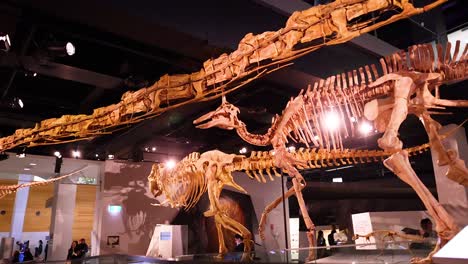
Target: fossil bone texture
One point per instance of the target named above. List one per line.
(9, 189)
(256, 55)
(405, 85)
(190, 178)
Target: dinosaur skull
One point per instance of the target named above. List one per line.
(225, 117)
(153, 179)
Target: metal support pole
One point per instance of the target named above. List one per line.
(284, 217)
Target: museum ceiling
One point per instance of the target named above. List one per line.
(122, 46)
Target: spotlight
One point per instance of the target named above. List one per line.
(365, 128)
(76, 154)
(57, 154)
(62, 50)
(291, 148)
(337, 180)
(153, 149)
(110, 156)
(70, 48)
(243, 150)
(20, 103)
(5, 42)
(35, 74)
(27, 169)
(332, 120)
(353, 119)
(170, 164)
(21, 154)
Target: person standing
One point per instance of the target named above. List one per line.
(73, 252)
(82, 248)
(38, 250)
(321, 243)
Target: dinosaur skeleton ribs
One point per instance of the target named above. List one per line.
(407, 83)
(257, 55)
(346, 94)
(184, 184)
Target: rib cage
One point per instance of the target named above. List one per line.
(184, 184)
(346, 94)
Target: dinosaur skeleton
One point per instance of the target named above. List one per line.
(405, 87)
(184, 184)
(256, 55)
(9, 189)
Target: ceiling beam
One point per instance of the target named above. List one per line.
(365, 41)
(60, 71)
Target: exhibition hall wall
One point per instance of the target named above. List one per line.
(125, 211)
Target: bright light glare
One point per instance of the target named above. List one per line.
(365, 128)
(170, 164)
(332, 120)
(243, 150)
(114, 209)
(6, 38)
(27, 169)
(337, 179)
(70, 49)
(57, 154)
(110, 156)
(32, 164)
(76, 153)
(291, 148)
(353, 119)
(20, 102)
(153, 149)
(21, 155)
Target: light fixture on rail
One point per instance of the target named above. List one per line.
(76, 154)
(21, 154)
(5, 42)
(62, 50)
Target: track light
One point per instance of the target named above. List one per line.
(21, 154)
(62, 50)
(57, 154)
(5, 42)
(243, 150)
(76, 154)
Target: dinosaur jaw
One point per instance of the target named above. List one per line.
(214, 119)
